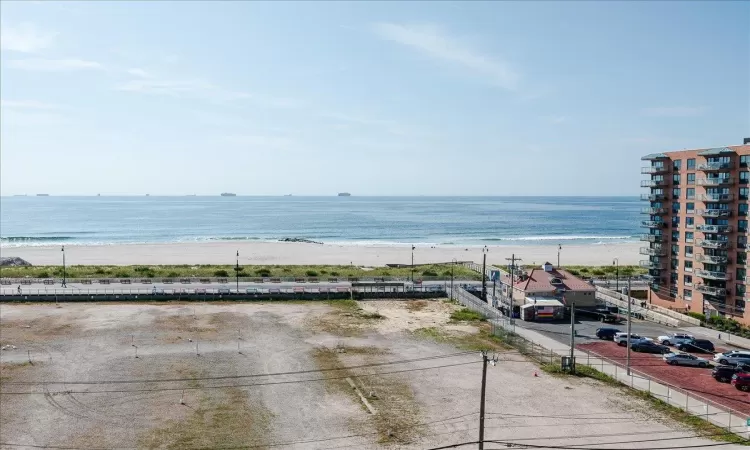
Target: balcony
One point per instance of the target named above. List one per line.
(724, 181)
(652, 223)
(713, 275)
(654, 211)
(653, 251)
(710, 290)
(710, 259)
(652, 237)
(654, 169)
(652, 265)
(710, 243)
(715, 228)
(715, 166)
(653, 197)
(716, 197)
(714, 212)
(653, 183)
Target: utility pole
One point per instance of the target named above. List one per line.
(630, 317)
(616, 262)
(64, 281)
(559, 247)
(484, 273)
(453, 266)
(572, 334)
(512, 260)
(237, 272)
(485, 361)
(412, 262)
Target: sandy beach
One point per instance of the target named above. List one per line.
(259, 253)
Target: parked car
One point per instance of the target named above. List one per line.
(622, 339)
(649, 347)
(674, 339)
(732, 359)
(724, 373)
(697, 345)
(684, 359)
(731, 352)
(607, 333)
(741, 381)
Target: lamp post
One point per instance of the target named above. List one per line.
(64, 283)
(616, 263)
(453, 266)
(237, 272)
(484, 273)
(412, 262)
(559, 248)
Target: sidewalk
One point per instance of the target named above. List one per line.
(725, 337)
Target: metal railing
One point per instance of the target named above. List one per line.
(652, 223)
(713, 275)
(654, 211)
(653, 197)
(710, 290)
(714, 166)
(651, 264)
(711, 259)
(714, 181)
(654, 169)
(711, 243)
(716, 197)
(653, 251)
(653, 183)
(714, 228)
(714, 212)
(652, 237)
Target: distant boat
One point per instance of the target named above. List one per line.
(287, 195)
(228, 194)
(344, 194)
(148, 195)
(42, 195)
(98, 195)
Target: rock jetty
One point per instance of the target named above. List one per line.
(10, 261)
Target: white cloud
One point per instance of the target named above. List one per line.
(25, 38)
(674, 111)
(181, 89)
(27, 104)
(53, 65)
(138, 73)
(430, 40)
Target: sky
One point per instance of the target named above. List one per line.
(372, 98)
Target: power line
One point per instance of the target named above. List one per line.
(228, 377)
(191, 388)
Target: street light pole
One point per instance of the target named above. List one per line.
(237, 272)
(616, 262)
(412, 262)
(629, 321)
(453, 266)
(484, 273)
(64, 281)
(559, 247)
(485, 360)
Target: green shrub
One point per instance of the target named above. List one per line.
(263, 272)
(141, 269)
(286, 269)
(122, 274)
(334, 274)
(323, 271)
(173, 275)
(100, 271)
(58, 271)
(574, 272)
(429, 273)
(598, 272)
(43, 275)
(221, 273)
(584, 270)
(467, 315)
(311, 273)
(695, 315)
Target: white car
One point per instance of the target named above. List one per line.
(736, 358)
(675, 339)
(622, 339)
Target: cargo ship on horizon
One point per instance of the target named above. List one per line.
(228, 194)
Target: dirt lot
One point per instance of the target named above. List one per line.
(694, 379)
(365, 375)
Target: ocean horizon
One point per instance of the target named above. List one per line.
(357, 220)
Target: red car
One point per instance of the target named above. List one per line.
(741, 381)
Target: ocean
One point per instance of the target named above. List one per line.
(467, 221)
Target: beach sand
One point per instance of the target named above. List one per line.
(262, 253)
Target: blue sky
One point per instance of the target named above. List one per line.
(374, 98)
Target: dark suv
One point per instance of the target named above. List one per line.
(697, 346)
(606, 333)
(724, 373)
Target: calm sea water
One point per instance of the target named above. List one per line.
(26, 221)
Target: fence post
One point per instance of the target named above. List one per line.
(687, 402)
(669, 396)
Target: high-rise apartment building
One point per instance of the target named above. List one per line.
(696, 222)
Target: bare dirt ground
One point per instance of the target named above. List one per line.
(365, 375)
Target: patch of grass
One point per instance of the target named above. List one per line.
(701, 427)
(466, 315)
(205, 271)
(483, 339)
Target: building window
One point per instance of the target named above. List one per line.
(676, 164)
(744, 177)
(689, 236)
(739, 304)
(691, 164)
(740, 274)
(741, 258)
(676, 207)
(689, 221)
(687, 294)
(676, 193)
(739, 290)
(743, 160)
(675, 221)
(688, 254)
(675, 250)
(690, 193)
(689, 265)
(676, 179)
(741, 241)
(675, 236)
(690, 208)
(744, 192)
(742, 226)
(742, 210)
(688, 279)
(691, 178)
